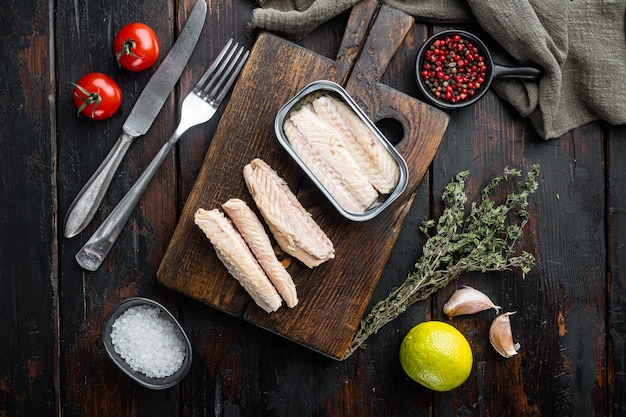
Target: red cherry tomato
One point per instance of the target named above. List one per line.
(97, 96)
(136, 47)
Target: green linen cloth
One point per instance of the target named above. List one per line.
(579, 44)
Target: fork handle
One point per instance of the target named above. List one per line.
(92, 254)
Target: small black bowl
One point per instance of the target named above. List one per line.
(140, 378)
(493, 70)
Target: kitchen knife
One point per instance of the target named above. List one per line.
(138, 122)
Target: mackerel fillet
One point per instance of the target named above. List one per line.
(373, 159)
(232, 250)
(293, 227)
(253, 233)
(322, 149)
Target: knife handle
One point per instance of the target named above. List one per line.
(90, 196)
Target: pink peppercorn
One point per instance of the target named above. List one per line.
(453, 69)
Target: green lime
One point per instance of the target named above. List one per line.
(436, 355)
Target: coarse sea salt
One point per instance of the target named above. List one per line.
(148, 342)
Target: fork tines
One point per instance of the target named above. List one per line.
(220, 76)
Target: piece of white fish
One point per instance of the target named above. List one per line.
(374, 160)
(292, 226)
(322, 149)
(253, 233)
(234, 253)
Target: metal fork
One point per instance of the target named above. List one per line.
(198, 107)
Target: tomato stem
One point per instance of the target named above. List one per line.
(128, 48)
(91, 98)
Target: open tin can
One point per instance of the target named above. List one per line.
(324, 87)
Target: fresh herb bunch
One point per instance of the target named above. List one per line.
(483, 241)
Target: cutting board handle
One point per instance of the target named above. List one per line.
(357, 29)
(373, 36)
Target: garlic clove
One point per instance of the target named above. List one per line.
(467, 300)
(501, 337)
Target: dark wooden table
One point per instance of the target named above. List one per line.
(570, 321)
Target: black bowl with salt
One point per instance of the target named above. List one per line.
(147, 343)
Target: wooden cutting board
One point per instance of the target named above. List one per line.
(333, 296)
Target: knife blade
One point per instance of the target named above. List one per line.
(141, 117)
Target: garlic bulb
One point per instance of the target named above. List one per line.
(468, 300)
(501, 337)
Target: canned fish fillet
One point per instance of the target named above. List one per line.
(341, 150)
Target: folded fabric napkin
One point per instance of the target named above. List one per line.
(579, 44)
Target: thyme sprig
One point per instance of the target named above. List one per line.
(482, 241)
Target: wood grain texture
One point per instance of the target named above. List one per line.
(362, 16)
(570, 315)
(29, 281)
(616, 323)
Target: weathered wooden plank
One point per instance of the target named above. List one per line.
(570, 326)
(28, 260)
(616, 263)
(93, 385)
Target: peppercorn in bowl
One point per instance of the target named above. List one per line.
(454, 69)
(147, 343)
